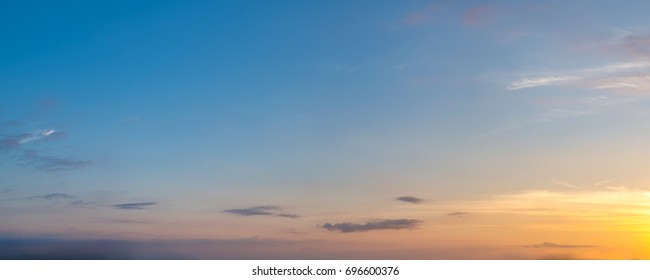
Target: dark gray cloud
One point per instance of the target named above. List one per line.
(12, 142)
(252, 211)
(61, 249)
(14, 145)
(15, 141)
(53, 248)
(50, 163)
(134, 206)
(132, 222)
(395, 224)
(410, 199)
(559, 257)
(458, 214)
(29, 247)
(10, 123)
(291, 216)
(260, 211)
(80, 202)
(54, 196)
(554, 245)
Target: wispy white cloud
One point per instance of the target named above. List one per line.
(612, 203)
(17, 141)
(36, 136)
(566, 184)
(20, 143)
(634, 83)
(614, 83)
(540, 81)
(558, 114)
(601, 183)
(629, 76)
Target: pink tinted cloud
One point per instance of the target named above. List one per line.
(637, 45)
(422, 16)
(479, 15)
(622, 44)
(415, 18)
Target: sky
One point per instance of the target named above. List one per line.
(324, 129)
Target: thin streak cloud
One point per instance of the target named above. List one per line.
(540, 81)
(37, 136)
(567, 184)
(410, 199)
(554, 245)
(54, 196)
(17, 140)
(630, 76)
(291, 216)
(252, 211)
(134, 206)
(260, 211)
(395, 224)
(458, 214)
(52, 163)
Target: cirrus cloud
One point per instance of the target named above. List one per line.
(633, 76)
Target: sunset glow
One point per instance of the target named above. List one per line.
(325, 130)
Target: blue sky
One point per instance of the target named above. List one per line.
(320, 109)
